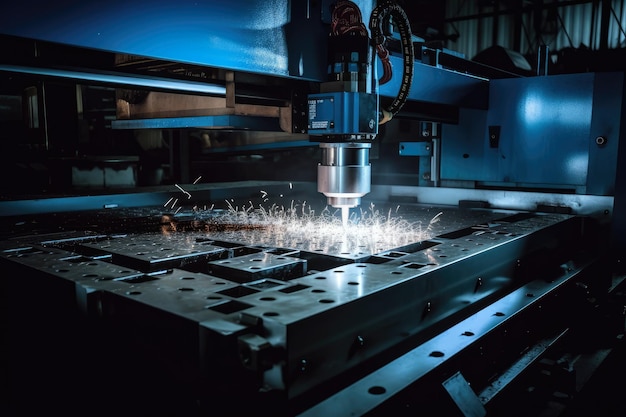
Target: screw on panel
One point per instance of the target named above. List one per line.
(357, 345)
(479, 283)
(427, 310)
(601, 140)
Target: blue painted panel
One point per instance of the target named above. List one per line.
(608, 108)
(436, 85)
(415, 149)
(545, 129)
(463, 152)
(277, 37)
(226, 121)
(548, 126)
(342, 113)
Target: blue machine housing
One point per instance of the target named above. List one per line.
(276, 37)
(343, 113)
(556, 132)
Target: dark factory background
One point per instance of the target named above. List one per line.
(91, 127)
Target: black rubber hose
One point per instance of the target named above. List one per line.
(378, 17)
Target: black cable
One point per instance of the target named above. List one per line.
(558, 15)
(619, 23)
(378, 17)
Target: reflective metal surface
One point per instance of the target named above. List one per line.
(287, 299)
(120, 79)
(344, 175)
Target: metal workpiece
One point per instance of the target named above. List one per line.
(389, 303)
(285, 317)
(150, 253)
(388, 389)
(70, 279)
(258, 265)
(189, 298)
(344, 175)
(68, 265)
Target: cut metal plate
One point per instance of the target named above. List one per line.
(155, 252)
(258, 265)
(310, 297)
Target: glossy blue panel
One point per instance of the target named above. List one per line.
(227, 121)
(342, 113)
(548, 127)
(415, 149)
(278, 37)
(545, 127)
(436, 85)
(608, 107)
(118, 79)
(463, 152)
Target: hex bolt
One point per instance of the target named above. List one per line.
(601, 140)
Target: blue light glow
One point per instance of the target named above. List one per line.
(572, 111)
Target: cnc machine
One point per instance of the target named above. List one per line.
(327, 216)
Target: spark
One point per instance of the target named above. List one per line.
(299, 226)
(436, 218)
(197, 179)
(168, 202)
(185, 192)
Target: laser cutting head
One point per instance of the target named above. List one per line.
(344, 175)
(344, 114)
